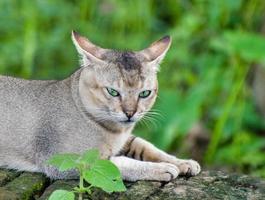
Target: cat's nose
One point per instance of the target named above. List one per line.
(129, 113)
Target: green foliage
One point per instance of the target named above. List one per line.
(105, 175)
(248, 46)
(204, 75)
(98, 173)
(89, 157)
(246, 150)
(62, 195)
(64, 161)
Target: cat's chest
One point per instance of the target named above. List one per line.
(108, 143)
(113, 143)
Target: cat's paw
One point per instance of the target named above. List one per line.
(162, 172)
(189, 167)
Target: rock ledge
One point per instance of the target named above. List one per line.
(208, 185)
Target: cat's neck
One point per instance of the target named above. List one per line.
(109, 126)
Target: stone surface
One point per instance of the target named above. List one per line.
(24, 187)
(7, 176)
(60, 184)
(208, 185)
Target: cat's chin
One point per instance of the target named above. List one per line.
(128, 122)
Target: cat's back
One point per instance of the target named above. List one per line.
(7, 82)
(26, 105)
(20, 96)
(12, 89)
(10, 84)
(19, 89)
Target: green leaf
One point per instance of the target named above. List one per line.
(90, 157)
(249, 46)
(88, 190)
(62, 195)
(64, 161)
(105, 175)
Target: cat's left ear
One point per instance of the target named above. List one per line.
(89, 52)
(155, 53)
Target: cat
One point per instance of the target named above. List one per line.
(96, 107)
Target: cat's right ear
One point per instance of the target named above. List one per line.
(155, 53)
(89, 52)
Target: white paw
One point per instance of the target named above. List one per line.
(189, 167)
(162, 172)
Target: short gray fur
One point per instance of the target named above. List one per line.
(40, 118)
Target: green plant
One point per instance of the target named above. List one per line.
(95, 171)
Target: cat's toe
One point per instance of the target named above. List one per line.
(164, 172)
(189, 168)
(172, 170)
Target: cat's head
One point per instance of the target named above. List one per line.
(119, 86)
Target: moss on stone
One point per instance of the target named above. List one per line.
(7, 175)
(27, 185)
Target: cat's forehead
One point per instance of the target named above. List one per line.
(126, 67)
(128, 61)
(125, 60)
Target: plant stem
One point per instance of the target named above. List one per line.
(81, 184)
(80, 197)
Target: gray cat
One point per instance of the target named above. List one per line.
(96, 107)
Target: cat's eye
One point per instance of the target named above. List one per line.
(145, 94)
(113, 92)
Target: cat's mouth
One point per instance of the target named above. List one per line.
(128, 121)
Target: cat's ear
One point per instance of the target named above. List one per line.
(89, 52)
(157, 50)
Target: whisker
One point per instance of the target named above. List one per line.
(145, 123)
(149, 120)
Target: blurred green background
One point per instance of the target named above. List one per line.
(212, 83)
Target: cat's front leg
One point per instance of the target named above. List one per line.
(134, 170)
(140, 149)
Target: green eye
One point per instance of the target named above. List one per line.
(145, 93)
(113, 92)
